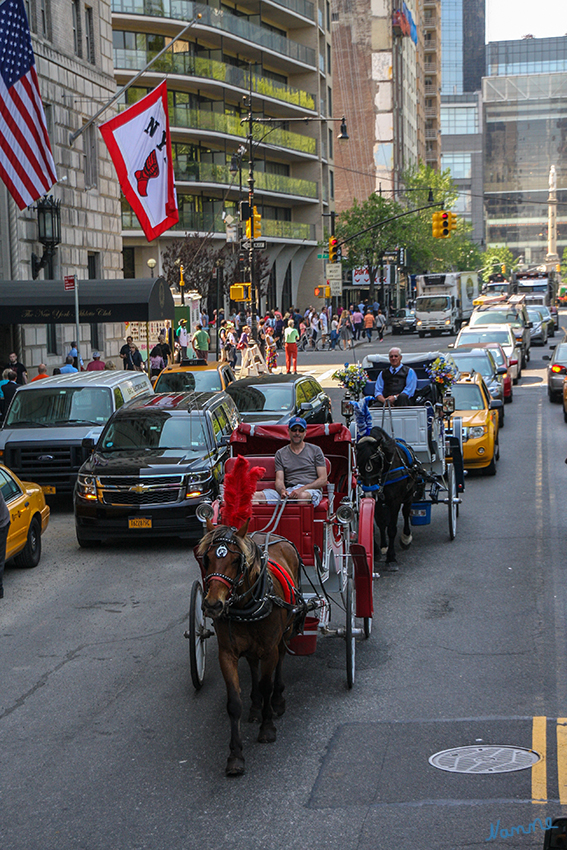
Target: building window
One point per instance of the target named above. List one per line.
(328, 16)
(331, 184)
(31, 22)
(459, 120)
(95, 339)
(93, 263)
(89, 35)
(460, 165)
(128, 263)
(43, 19)
(77, 40)
(51, 334)
(329, 59)
(330, 100)
(330, 144)
(90, 158)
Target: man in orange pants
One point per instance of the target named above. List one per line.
(291, 337)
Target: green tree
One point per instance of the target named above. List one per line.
(564, 265)
(494, 258)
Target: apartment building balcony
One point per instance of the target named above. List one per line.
(431, 4)
(193, 221)
(277, 184)
(229, 125)
(431, 90)
(432, 134)
(431, 68)
(430, 23)
(432, 112)
(218, 74)
(213, 19)
(430, 45)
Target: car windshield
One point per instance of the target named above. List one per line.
(154, 430)
(494, 317)
(276, 398)
(535, 316)
(432, 303)
(499, 356)
(401, 314)
(207, 381)
(559, 356)
(473, 363)
(60, 406)
(467, 397)
(503, 337)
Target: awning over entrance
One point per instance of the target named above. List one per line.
(25, 302)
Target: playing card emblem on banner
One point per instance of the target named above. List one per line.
(140, 146)
(26, 161)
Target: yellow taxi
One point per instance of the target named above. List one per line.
(196, 375)
(479, 414)
(29, 516)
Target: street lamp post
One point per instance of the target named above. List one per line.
(151, 264)
(220, 266)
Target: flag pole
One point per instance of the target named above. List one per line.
(112, 100)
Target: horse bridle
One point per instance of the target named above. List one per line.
(224, 546)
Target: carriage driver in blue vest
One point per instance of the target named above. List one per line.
(396, 385)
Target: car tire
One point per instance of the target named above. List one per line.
(491, 469)
(564, 414)
(501, 418)
(552, 396)
(421, 334)
(528, 355)
(31, 553)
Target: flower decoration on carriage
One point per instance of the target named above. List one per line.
(443, 373)
(352, 377)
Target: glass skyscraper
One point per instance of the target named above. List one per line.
(525, 113)
(462, 68)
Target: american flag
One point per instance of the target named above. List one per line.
(26, 162)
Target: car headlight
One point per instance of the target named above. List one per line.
(447, 321)
(477, 431)
(419, 322)
(86, 486)
(197, 484)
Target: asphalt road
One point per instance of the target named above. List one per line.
(105, 745)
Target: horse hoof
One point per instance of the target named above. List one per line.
(392, 567)
(406, 542)
(278, 708)
(384, 550)
(404, 545)
(267, 735)
(255, 715)
(234, 766)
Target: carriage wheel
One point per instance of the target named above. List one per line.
(349, 633)
(452, 504)
(197, 645)
(367, 621)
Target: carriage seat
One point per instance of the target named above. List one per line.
(268, 480)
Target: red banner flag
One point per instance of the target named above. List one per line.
(139, 143)
(26, 161)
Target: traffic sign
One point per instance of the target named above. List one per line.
(336, 285)
(334, 271)
(69, 282)
(259, 244)
(322, 256)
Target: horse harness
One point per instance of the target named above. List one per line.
(262, 593)
(410, 465)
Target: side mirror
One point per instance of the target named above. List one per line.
(502, 370)
(306, 405)
(546, 357)
(451, 345)
(552, 346)
(513, 362)
(530, 325)
(88, 443)
(496, 404)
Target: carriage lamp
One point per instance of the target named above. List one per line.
(49, 232)
(347, 407)
(345, 515)
(448, 405)
(204, 511)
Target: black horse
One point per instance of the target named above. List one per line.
(391, 473)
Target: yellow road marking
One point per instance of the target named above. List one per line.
(562, 759)
(539, 770)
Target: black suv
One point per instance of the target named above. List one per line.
(155, 461)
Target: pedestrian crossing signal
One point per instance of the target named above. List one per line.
(240, 292)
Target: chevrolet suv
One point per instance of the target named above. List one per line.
(155, 461)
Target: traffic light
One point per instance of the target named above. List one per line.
(257, 219)
(445, 229)
(333, 249)
(240, 292)
(436, 225)
(322, 292)
(503, 268)
(452, 221)
(249, 228)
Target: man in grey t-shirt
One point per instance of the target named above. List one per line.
(301, 471)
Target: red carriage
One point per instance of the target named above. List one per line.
(334, 541)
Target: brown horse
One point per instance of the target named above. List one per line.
(256, 608)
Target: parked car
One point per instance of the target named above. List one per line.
(155, 461)
(501, 334)
(549, 319)
(538, 329)
(501, 360)
(479, 413)
(275, 399)
(403, 320)
(556, 371)
(29, 517)
(481, 361)
(514, 315)
(194, 376)
(47, 420)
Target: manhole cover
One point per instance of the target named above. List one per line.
(493, 759)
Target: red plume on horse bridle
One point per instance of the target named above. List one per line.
(239, 487)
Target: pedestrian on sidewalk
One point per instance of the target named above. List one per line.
(291, 337)
(381, 324)
(358, 322)
(369, 324)
(345, 329)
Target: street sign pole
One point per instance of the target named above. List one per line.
(77, 331)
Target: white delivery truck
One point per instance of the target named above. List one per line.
(444, 301)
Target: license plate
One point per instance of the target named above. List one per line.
(140, 522)
(48, 491)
